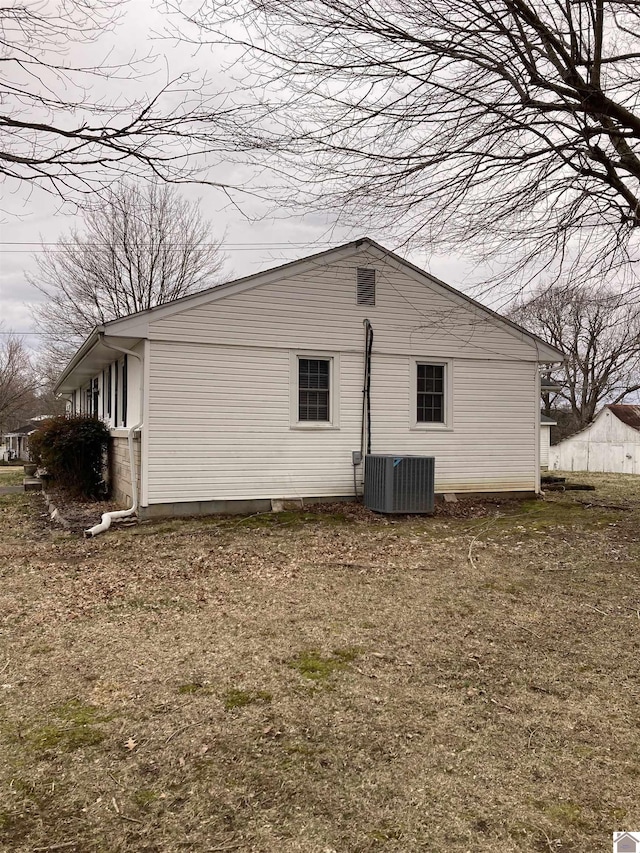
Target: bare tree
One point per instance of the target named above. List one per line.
(599, 332)
(18, 383)
(142, 246)
(72, 128)
(508, 125)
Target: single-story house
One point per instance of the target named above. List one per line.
(610, 443)
(271, 387)
(16, 441)
(545, 439)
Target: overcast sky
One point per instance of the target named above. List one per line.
(254, 238)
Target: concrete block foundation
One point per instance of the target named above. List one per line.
(119, 470)
(183, 509)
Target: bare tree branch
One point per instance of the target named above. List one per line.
(511, 126)
(18, 384)
(73, 129)
(599, 332)
(140, 247)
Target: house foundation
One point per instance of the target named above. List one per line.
(120, 470)
(183, 509)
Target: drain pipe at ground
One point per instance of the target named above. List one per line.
(119, 514)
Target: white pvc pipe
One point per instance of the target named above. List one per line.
(119, 514)
(107, 518)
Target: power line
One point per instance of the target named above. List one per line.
(106, 243)
(231, 247)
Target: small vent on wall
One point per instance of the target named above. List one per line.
(366, 286)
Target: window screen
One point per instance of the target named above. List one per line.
(430, 393)
(313, 389)
(366, 286)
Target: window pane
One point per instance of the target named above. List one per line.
(313, 389)
(430, 397)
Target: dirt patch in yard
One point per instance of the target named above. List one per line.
(324, 680)
(79, 515)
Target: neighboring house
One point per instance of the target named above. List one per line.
(16, 441)
(252, 391)
(545, 439)
(611, 443)
(549, 385)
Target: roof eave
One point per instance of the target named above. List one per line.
(136, 325)
(81, 353)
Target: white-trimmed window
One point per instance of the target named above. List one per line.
(314, 401)
(431, 394)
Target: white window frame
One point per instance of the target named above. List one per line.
(426, 426)
(334, 391)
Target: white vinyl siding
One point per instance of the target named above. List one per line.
(219, 425)
(317, 309)
(493, 444)
(223, 397)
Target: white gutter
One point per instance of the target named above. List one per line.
(119, 514)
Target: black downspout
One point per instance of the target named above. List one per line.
(366, 389)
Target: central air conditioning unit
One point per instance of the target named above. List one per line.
(402, 484)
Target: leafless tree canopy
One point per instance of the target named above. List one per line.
(511, 125)
(18, 384)
(142, 246)
(599, 332)
(72, 128)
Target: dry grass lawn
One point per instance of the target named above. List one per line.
(11, 475)
(324, 682)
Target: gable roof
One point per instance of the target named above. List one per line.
(136, 325)
(629, 415)
(23, 430)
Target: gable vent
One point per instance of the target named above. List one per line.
(366, 286)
